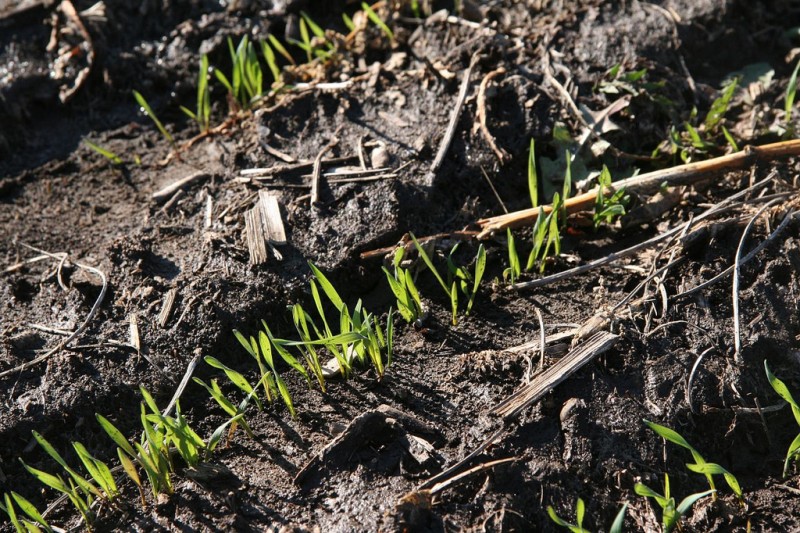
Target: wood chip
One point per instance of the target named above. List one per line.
(598, 343)
(134, 334)
(166, 307)
(254, 233)
(275, 233)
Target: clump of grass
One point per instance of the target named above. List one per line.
(700, 466)
(246, 80)
(671, 513)
(147, 110)
(359, 341)
(202, 113)
(606, 208)
(467, 283)
(409, 304)
(699, 140)
(780, 387)
(460, 280)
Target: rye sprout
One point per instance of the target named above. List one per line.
(671, 513)
(108, 154)
(607, 207)
(22, 525)
(80, 492)
(246, 81)
(125, 452)
(377, 20)
(147, 110)
(318, 46)
(261, 351)
(514, 269)
(429, 263)
(409, 304)
(202, 113)
(700, 465)
(466, 282)
(791, 91)
(783, 391)
(577, 527)
(533, 178)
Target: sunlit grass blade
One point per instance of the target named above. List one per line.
(480, 268)
(377, 20)
(99, 471)
(429, 263)
(115, 434)
(533, 178)
(619, 520)
(791, 91)
(108, 154)
(149, 112)
(130, 470)
(235, 377)
(272, 62)
(327, 287)
(30, 510)
(276, 44)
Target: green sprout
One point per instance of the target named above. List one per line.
(791, 91)
(429, 263)
(514, 269)
(783, 391)
(377, 20)
(108, 154)
(671, 513)
(533, 177)
(317, 47)
(125, 452)
(700, 466)
(701, 139)
(202, 113)
(409, 304)
(22, 525)
(608, 207)
(246, 81)
(577, 527)
(147, 110)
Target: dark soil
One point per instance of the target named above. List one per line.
(350, 461)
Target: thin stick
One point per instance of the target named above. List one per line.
(690, 382)
(184, 382)
(649, 182)
(174, 187)
(715, 209)
(496, 195)
(451, 127)
(541, 342)
(501, 155)
(789, 217)
(317, 169)
(737, 336)
(452, 471)
(74, 334)
(474, 470)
